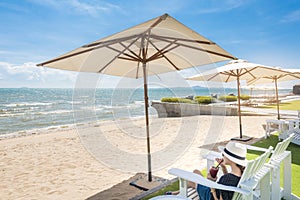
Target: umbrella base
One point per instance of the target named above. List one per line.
(242, 139)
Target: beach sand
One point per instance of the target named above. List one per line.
(58, 164)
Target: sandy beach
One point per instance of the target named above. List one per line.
(62, 164)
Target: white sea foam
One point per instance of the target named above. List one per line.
(23, 104)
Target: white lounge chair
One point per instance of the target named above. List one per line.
(275, 125)
(285, 128)
(280, 158)
(255, 175)
(293, 128)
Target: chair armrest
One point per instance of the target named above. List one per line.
(196, 178)
(256, 148)
(211, 157)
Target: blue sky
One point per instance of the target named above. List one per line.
(32, 31)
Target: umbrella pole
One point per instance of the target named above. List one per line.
(239, 105)
(147, 121)
(241, 138)
(277, 99)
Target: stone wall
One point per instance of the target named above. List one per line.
(165, 109)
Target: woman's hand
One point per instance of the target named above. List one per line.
(222, 164)
(211, 178)
(220, 161)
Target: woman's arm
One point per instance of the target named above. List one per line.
(214, 193)
(224, 169)
(212, 190)
(223, 166)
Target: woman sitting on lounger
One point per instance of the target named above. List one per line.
(234, 155)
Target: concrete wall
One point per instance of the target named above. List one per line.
(165, 109)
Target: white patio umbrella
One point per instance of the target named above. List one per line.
(157, 46)
(252, 87)
(285, 75)
(237, 70)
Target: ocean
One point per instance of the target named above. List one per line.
(23, 109)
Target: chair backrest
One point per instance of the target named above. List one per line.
(281, 147)
(294, 124)
(254, 172)
(253, 166)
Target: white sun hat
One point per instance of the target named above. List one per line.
(236, 152)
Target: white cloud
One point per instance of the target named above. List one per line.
(30, 72)
(4, 52)
(89, 7)
(291, 17)
(215, 6)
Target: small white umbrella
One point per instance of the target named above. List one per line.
(157, 46)
(258, 87)
(285, 75)
(237, 70)
(252, 87)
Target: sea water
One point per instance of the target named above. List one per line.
(23, 109)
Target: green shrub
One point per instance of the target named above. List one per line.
(176, 100)
(245, 97)
(204, 99)
(228, 98)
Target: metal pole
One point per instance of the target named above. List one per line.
(277, 99)
(147, 121)
(239, 105)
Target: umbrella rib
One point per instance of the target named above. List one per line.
(137, 56)
(126, 54)
(160, 55)
(200, 49)
(164, 56)
(213, 77)
(160, 19)
(64, 57)
(118, 55)
(217, 74)
(290, 74)
(161, 51)
(231, 73)
(249, 72)
(112, 41)
(102, 44)
(227, 78)
(183, 39)
(276, 77)
(208, 51)
(130, 59)
(270, 77)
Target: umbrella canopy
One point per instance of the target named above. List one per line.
(157, 46)
(252, 87)
(241, 69)
(163, 42)
(285, 75)
(237, 70)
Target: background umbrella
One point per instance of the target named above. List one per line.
(285, 75)
(157, 46)
(252, 87)
(235, 71)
